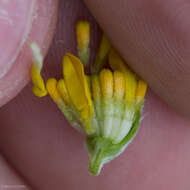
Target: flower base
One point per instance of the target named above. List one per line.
(102, 150)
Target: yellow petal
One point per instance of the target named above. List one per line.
(61, 87)
(39, 86)
(117, 63)
(106, 83)
(141, 91)
(51, 86)
(83, 40)
(119, 85)
(77, 86)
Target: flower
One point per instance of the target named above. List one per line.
(105, 106)
(83, 40)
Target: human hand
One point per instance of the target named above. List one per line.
(154, 37)
(48, 153)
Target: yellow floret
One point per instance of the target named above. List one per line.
(102, 54)
(51, 86)
(83, 34)
(141, 91)
(119, 85)
(104, 47)
(83, 40)
(130, 90)
(61, 87)
(117, 63)
(106, 83)
(39, 86)
(77, 86)
(38, 89)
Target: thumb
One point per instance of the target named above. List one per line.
(154, 38)
(22, 22)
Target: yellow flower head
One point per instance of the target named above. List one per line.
(106, 106)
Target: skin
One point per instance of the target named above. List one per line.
(41, 31)
(40, 146)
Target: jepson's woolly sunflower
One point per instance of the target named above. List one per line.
(106, 105)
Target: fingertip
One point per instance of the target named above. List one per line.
(41, 32)
(154, 39)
